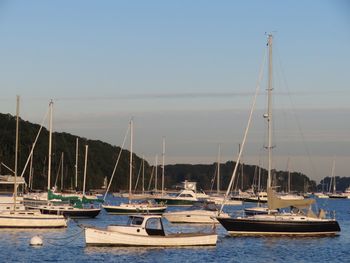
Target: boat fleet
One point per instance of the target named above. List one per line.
(275, 214)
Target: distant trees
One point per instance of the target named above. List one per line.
(102, 157)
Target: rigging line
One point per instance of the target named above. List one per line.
(58, 171)
(295, 116)
(151, 178)
(116, 164)
(245, 133)
(214, 176)
(35, 141)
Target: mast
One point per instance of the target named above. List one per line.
(259, 176)
(50, 146)
(62, 156)
(218, 177)
(31, 172)
(76, 163)
(16, 155)
(143, 174)
(131, 141)
(333, 176)
(163, 157)
(85, 167)
(268, 116)
(156, 175)
(242, 177)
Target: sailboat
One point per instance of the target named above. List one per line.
(24, 218)
(131, 207)
(77, 205)
(334, 194)
(300, 220)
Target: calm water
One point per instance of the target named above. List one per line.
(67, 245)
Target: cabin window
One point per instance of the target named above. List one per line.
(136, 221)
(185, 195)
(154, 227)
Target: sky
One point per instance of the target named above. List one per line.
(186, 71)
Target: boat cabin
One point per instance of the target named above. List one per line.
(153, 225)
(148, 225)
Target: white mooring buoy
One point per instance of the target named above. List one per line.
(36, 241)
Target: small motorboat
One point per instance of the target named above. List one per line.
(205, 214)
(145, 230)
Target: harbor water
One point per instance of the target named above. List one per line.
(68, 245)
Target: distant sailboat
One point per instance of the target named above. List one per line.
(131, 207)
(77, 204)
(333, 194)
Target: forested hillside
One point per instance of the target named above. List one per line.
(102, 157)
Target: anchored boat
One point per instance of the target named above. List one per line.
(300, 220)
(145, 231)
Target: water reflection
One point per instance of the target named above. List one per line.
(141, 250)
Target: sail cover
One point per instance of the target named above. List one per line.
(274, 202)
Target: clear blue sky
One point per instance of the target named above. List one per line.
(185, 70)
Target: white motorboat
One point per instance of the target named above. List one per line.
(184, 198)
(145, 231)
(194, 216)
(219, 200)
(347, 192)
(205, 213)
(321, 195)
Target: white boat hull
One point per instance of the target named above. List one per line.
(194, 217)
(99, 237)
(25, 219)
(228, 202)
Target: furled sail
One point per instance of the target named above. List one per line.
(274, 202)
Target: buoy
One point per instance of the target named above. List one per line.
(36, 241)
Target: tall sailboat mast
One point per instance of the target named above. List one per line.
(131, 142)
(76, 163)
(16, 155)
(163, 158)
(62, 170)
(156, 175)
(143, 174)
(333, 177)
(218, 172)
(269, 113)
(50, 148)
(85, 167)
(30, 181)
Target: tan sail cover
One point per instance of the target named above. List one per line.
(274, 202)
